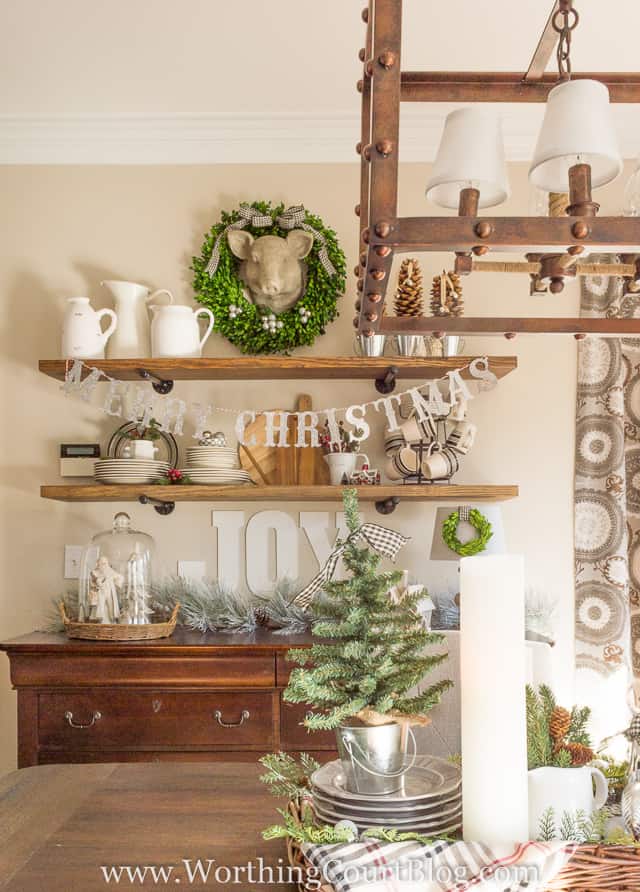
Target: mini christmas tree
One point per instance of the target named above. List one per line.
(374, 649)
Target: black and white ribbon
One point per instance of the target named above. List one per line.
(292, 218)
(386, 542)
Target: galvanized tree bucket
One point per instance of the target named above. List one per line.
(374, 758)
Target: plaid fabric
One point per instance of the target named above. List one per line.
(292, 218)
(440, 867)
(380, 539)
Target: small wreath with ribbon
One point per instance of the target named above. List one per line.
(255, 329)
(478, 521)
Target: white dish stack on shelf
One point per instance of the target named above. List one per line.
(214, 463)
(117, 471)
(428, 802)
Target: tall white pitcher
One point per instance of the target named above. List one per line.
(132, 339)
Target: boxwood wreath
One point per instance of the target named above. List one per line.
(253, 329)
(478, 521)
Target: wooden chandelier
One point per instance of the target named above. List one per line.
(552, 245)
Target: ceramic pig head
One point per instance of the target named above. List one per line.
(272, 267)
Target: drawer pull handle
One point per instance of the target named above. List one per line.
(94, 718)
(244, 715)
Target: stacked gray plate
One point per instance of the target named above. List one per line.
(429, 802)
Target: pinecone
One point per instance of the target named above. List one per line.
(449, 303)
(559, 723)
(580, 754)
(409, 297)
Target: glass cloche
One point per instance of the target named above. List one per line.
(116, 575)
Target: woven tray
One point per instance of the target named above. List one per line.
(592, 868)
(115, 632)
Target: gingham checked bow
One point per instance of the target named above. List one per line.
(380, 539)
(292, 218)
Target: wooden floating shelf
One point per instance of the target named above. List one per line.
(97, 492)
(272, 368)
(468, 325)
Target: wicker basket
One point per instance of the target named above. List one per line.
(109, 632)
(592, 868)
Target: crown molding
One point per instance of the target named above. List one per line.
(251, 138)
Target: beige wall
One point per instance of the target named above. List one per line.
(65, 229)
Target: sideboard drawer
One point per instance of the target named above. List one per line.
(98, 717)
(294, 736)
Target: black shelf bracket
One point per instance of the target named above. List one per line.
(387, 506)
(387, 384)
(161, 506)
(158, 384)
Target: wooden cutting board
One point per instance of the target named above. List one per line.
(280, 466)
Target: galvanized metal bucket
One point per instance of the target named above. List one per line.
(374, 758)
(373, 346)
(408, 345)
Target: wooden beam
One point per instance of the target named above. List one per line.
(545, 48)
(582, 269)
(490, 325)
(505, 86)
(384, 69)
(530, 234)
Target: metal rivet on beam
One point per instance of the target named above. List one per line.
(356, 210)
(371, 317)
(360, 284)
(382, 250)
(368, 332)
(365, 14)
(374, 298)
(378, 274)
(387, 59)
(580, 229)
(360, 86)
(479, 250)
(384, 147)
(484, 229)
(362, 53)
(369, 68)
(366, 152)
(366, 236)
(383, 229)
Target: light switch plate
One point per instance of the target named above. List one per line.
(72, 555)
(195, 570)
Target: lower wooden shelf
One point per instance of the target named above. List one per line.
(97, 492)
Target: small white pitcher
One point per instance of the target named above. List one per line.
(564, 790)
(175, 331)
(343, 463)
(82, 337)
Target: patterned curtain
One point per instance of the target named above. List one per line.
(607, 510)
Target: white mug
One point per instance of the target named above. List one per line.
(343, 464)
(143, 449)
(564, 790)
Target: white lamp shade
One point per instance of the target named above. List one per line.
(471, 154)
(577, 129)
(440, 551)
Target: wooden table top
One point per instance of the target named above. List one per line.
(59, 824)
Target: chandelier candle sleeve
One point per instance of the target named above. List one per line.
(492, 699)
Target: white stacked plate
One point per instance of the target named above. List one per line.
(430, 800)
(217, 476)
(129, 470)
(212, 457)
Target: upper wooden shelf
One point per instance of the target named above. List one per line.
(270, 368)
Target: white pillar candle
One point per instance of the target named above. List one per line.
(492, 695)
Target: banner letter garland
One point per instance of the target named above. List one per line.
(135, 403)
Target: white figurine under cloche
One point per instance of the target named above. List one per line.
(116, 576)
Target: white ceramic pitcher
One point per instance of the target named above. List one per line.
(82, 336)
(175, 331)
(568, 790)
(132, 338)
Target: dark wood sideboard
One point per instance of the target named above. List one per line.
(191, 697)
